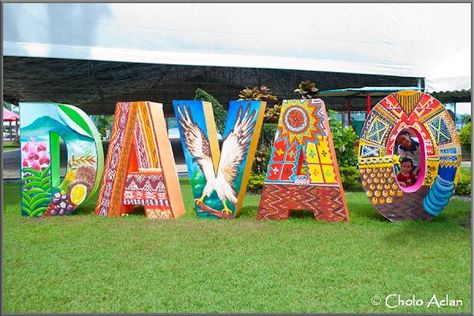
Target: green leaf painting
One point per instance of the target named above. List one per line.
(36, 192)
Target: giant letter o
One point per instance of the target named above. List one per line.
(440, 156)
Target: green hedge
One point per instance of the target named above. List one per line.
(464, 184)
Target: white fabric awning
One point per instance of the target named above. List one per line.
(427, 40)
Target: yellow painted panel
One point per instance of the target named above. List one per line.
(316, 175)
(324, 151)
(329, 175)
(311, 153)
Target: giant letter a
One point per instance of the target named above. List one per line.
(302, 172)
(140, 167)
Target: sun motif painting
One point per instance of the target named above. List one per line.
(219, 178)
(302, 172)
(412, 131)
(299, 124)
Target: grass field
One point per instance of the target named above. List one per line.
(86, 263)
(7, 146)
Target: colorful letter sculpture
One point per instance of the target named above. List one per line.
(302, 172)
(140, 167)
(440, 156)
(42, 125)
(219, 180)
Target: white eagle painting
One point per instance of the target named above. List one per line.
(234, 150)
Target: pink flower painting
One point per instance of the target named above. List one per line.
(35, 155)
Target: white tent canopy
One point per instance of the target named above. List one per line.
(426, 40)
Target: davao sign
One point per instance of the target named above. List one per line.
(409, 160)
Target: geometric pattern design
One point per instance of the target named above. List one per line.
(440, 131)
(431, 122)
(299, 144)
(133, 174)
(369, 151)
(278, 200)
(431, 170)
(408, 101)
(115, 170)
(147, 189)
(377, 131)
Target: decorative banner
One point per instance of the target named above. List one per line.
(302, 172)
(436, 153)
(140, 167)
(219, 180)
(42, 125)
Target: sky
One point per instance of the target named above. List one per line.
(431, 40)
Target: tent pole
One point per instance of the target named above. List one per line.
(368, 103)
(348, 103)
(455, 117)
(16, 130)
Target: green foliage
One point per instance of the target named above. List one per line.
(263, 94)
(36, 192)
(264, 149)
(464, 185)
(463, 188)
(350, 178)
(465, 136)
(260, 161)
(307, 89)
(267, 135)
(103, 123)
(465, 118)
(220, 114)
(256, 181)
(272, 113)
(344, 139)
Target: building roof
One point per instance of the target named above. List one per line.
(453, 96)
(365, 91)
(96, 86)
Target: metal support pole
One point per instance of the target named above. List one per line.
(455, 117)
(16, 130)
(348, 103)
(368, 103)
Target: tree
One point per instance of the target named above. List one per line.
(220, 114)
(465, 118)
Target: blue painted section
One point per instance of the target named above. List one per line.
(438, 197)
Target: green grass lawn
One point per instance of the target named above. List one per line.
(86, 263)
(7, 146)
